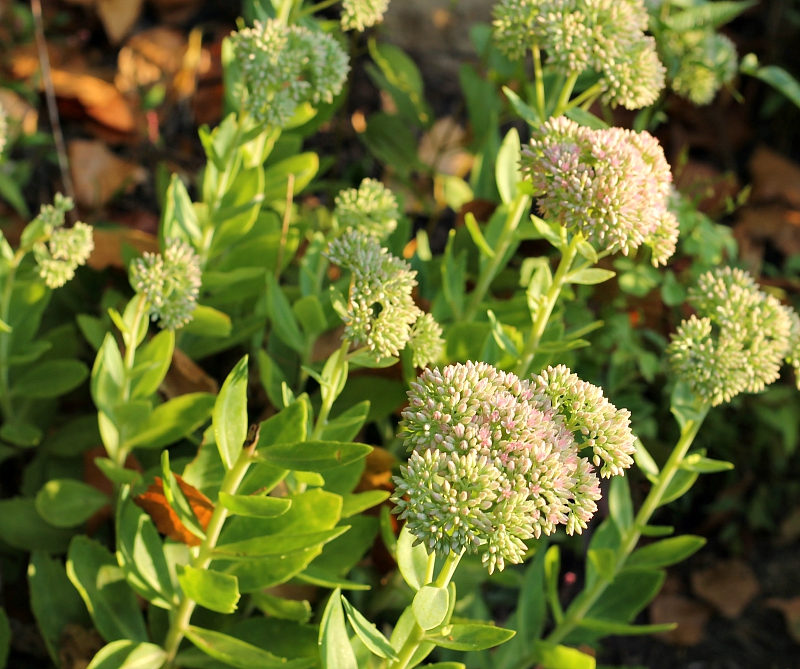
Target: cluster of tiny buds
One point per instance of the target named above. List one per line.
(371, 209)
(285, 66)
(380, 312)
(607, 36)
(170, 283)
(613, 185)
(701, 62)
(496, 459)
(362, 14)
(59, 251)
(738, 339)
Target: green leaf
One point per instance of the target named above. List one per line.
(628, 595)
(712, 14)
(116, 474)
(678, 486)
(270, 545)
(645, 461)
(282, 317)
(667, 552)
(230, 414)
(173, 420)
(454, 270)
(177, 501)
(310, 314)
(412, 560)
(354, 504)
(657, 530)
(50, 379)
(609, 627)
(526, 113)
(368, 633)
(285, 609)
(590, 276)
(401, 78)
(347, 425)
(619, 502)
(547, 231)
(477, 235)
(304, 166)
(126, 654)
(324, 579)
(695, 462)
(335, 649)
(286, 427)
(552, 656)
(552, 568)
(503, 340)
(507, 167)
(101, 583)
(22, 527)
(69, 503)
(54, 601)
(254, 506)
(208, 322)
(471, 636)
(240, 654)
(392, 142)
(775, 76)
(314, 456)
(152, 363)
(430, 606)
(21, 434)
(604, 562)
(586, 118)
(212, 589)
(531, 607)
(587, 251)
(179, 220)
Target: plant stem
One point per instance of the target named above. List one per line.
(516, 210)
(588, 94)
(630, 537)
(546, 309)
(539, 83)
(417, 634)
(313, 9)
(5, 337)
(566, 91)
(329, 397)
(230, 484)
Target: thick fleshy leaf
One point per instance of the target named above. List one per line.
(240, 654)
(69, 503)
(212, 589)
(125, 654)
(335, 649)
(314, 456)
(230, 414)
(471, 636)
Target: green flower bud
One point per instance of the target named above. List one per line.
(372, 209)
(361, 14)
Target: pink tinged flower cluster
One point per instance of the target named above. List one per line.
(496, 459)
(612, 185)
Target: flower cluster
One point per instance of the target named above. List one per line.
(361, 14)
(701, 62)
(496, 459)
(738, 340)
(380, 311)
(426, 342)
(59, 251)
(170, 283)
(372, 209)
(285, 66)
(613, 185)
(606, 36)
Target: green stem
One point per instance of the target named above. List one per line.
(417, 634)
(539, 83)
(566, 91)
(631, 536)
(180, 621)
(516, 210)
(329, 397)
(588, 94)
(546, 309)
(313, 9)
(5, 337)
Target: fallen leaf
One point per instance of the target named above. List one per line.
(729, 586)
(108, 246)
(774, 177)
(690, 615)
(774, 225)
(175, 11)
(98, 174)
(442, 148)
(20, 111)
(155, 504)
(791, 612)
(96, 98)
(118, 17)
(186, 376)
(378, 471)
(78, 646)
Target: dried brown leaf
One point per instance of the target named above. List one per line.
(108, 246)
(98, 174)
(690, 615)
(728, 586)
(154, 502)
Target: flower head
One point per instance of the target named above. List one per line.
(706, 62)
(361, 14)
(372, 209)
(285, 66)
(606, 36)
(496, 459)
(170, 283)
(426, 341)
(380, 310)
(59, 251)
(738, 340)
(613, 185)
